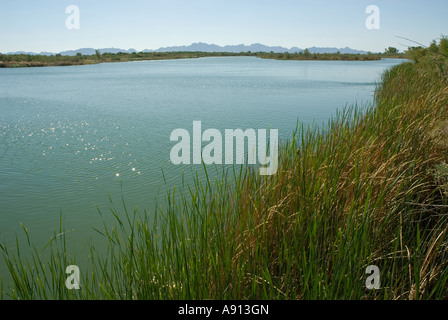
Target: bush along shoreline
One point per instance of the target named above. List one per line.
(370, 189)
(27, 60)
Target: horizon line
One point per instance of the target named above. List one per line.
(194, 43)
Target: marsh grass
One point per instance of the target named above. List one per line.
(361, 191)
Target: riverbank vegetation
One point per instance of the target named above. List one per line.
(27, 60)
(370, 188)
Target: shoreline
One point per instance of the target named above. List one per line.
(33, 61)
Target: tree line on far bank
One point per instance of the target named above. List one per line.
(28, 60)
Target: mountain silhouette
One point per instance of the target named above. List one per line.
(205, 47)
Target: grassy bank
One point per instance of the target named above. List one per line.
(25, 60)
(370, 188)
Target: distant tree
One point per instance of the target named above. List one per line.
(306, 53)
(98, 54)
(391, 50)
(79, 54)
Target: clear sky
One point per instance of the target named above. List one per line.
(40, 25)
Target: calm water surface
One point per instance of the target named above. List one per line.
(69, 136)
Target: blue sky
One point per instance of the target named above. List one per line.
(39, 25)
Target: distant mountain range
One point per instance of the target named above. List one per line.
(205, 47)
